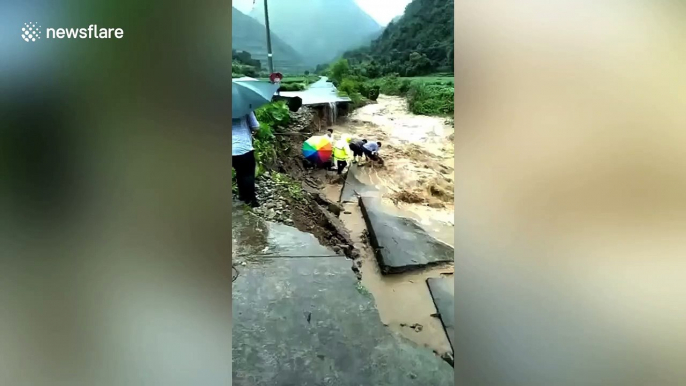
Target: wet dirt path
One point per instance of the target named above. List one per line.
(415, 181)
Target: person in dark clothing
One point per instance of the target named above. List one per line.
(356, 148)
(243, 157)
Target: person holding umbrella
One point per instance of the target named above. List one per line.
(246, 95)
(243, 156)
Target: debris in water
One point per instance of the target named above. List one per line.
(417, 327)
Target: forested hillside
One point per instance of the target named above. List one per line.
(419, 43)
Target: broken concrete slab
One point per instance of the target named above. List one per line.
(353, 187)
(400, 243)
(443, 293)
(306, 322)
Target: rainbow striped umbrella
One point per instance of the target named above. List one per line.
(318, 149)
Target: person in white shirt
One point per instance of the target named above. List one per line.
(243, 156)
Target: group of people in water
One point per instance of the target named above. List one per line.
(345, 150)
(349, 149)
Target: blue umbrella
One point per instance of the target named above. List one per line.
(248, 94)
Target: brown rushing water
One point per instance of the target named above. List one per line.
(418, 167)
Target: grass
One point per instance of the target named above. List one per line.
(426, 95)
(430, 79)
(361, 289)
(306, 79)
(292, 186)
(431, 99)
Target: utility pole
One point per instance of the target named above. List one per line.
(270, 62)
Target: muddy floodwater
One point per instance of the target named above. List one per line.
(417, 178)
(415, 181)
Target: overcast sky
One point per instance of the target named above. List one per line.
(383, 11)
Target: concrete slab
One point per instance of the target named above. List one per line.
(400, 243)
(443, 292)
(320, 92)
(353, 187)
(306, 321)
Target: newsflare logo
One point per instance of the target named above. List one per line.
(31, 32)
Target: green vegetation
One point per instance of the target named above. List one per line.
(290, 186)
(413, 58)
(242, 64)
(362, 290)
(292, 87)
(429, 95)
(418, 44)
(430, 99)
(272, 116)
(295, 82)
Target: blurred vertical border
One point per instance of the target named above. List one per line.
(570, 187)
(115, 195)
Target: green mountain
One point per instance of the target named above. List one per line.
(249, 35)
(320, 30)
(420, 42)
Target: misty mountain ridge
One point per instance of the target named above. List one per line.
(319, 30)
(249, 35)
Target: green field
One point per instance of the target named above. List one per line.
(433, 79)
(298, 79)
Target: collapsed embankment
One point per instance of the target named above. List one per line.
(291, 194)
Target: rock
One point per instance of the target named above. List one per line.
(347, 212)
(337, 250)
(335, 209)
(271, 214)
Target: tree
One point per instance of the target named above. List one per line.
(418, 64)
(372, 70)
(307, 72)
(339, 69)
